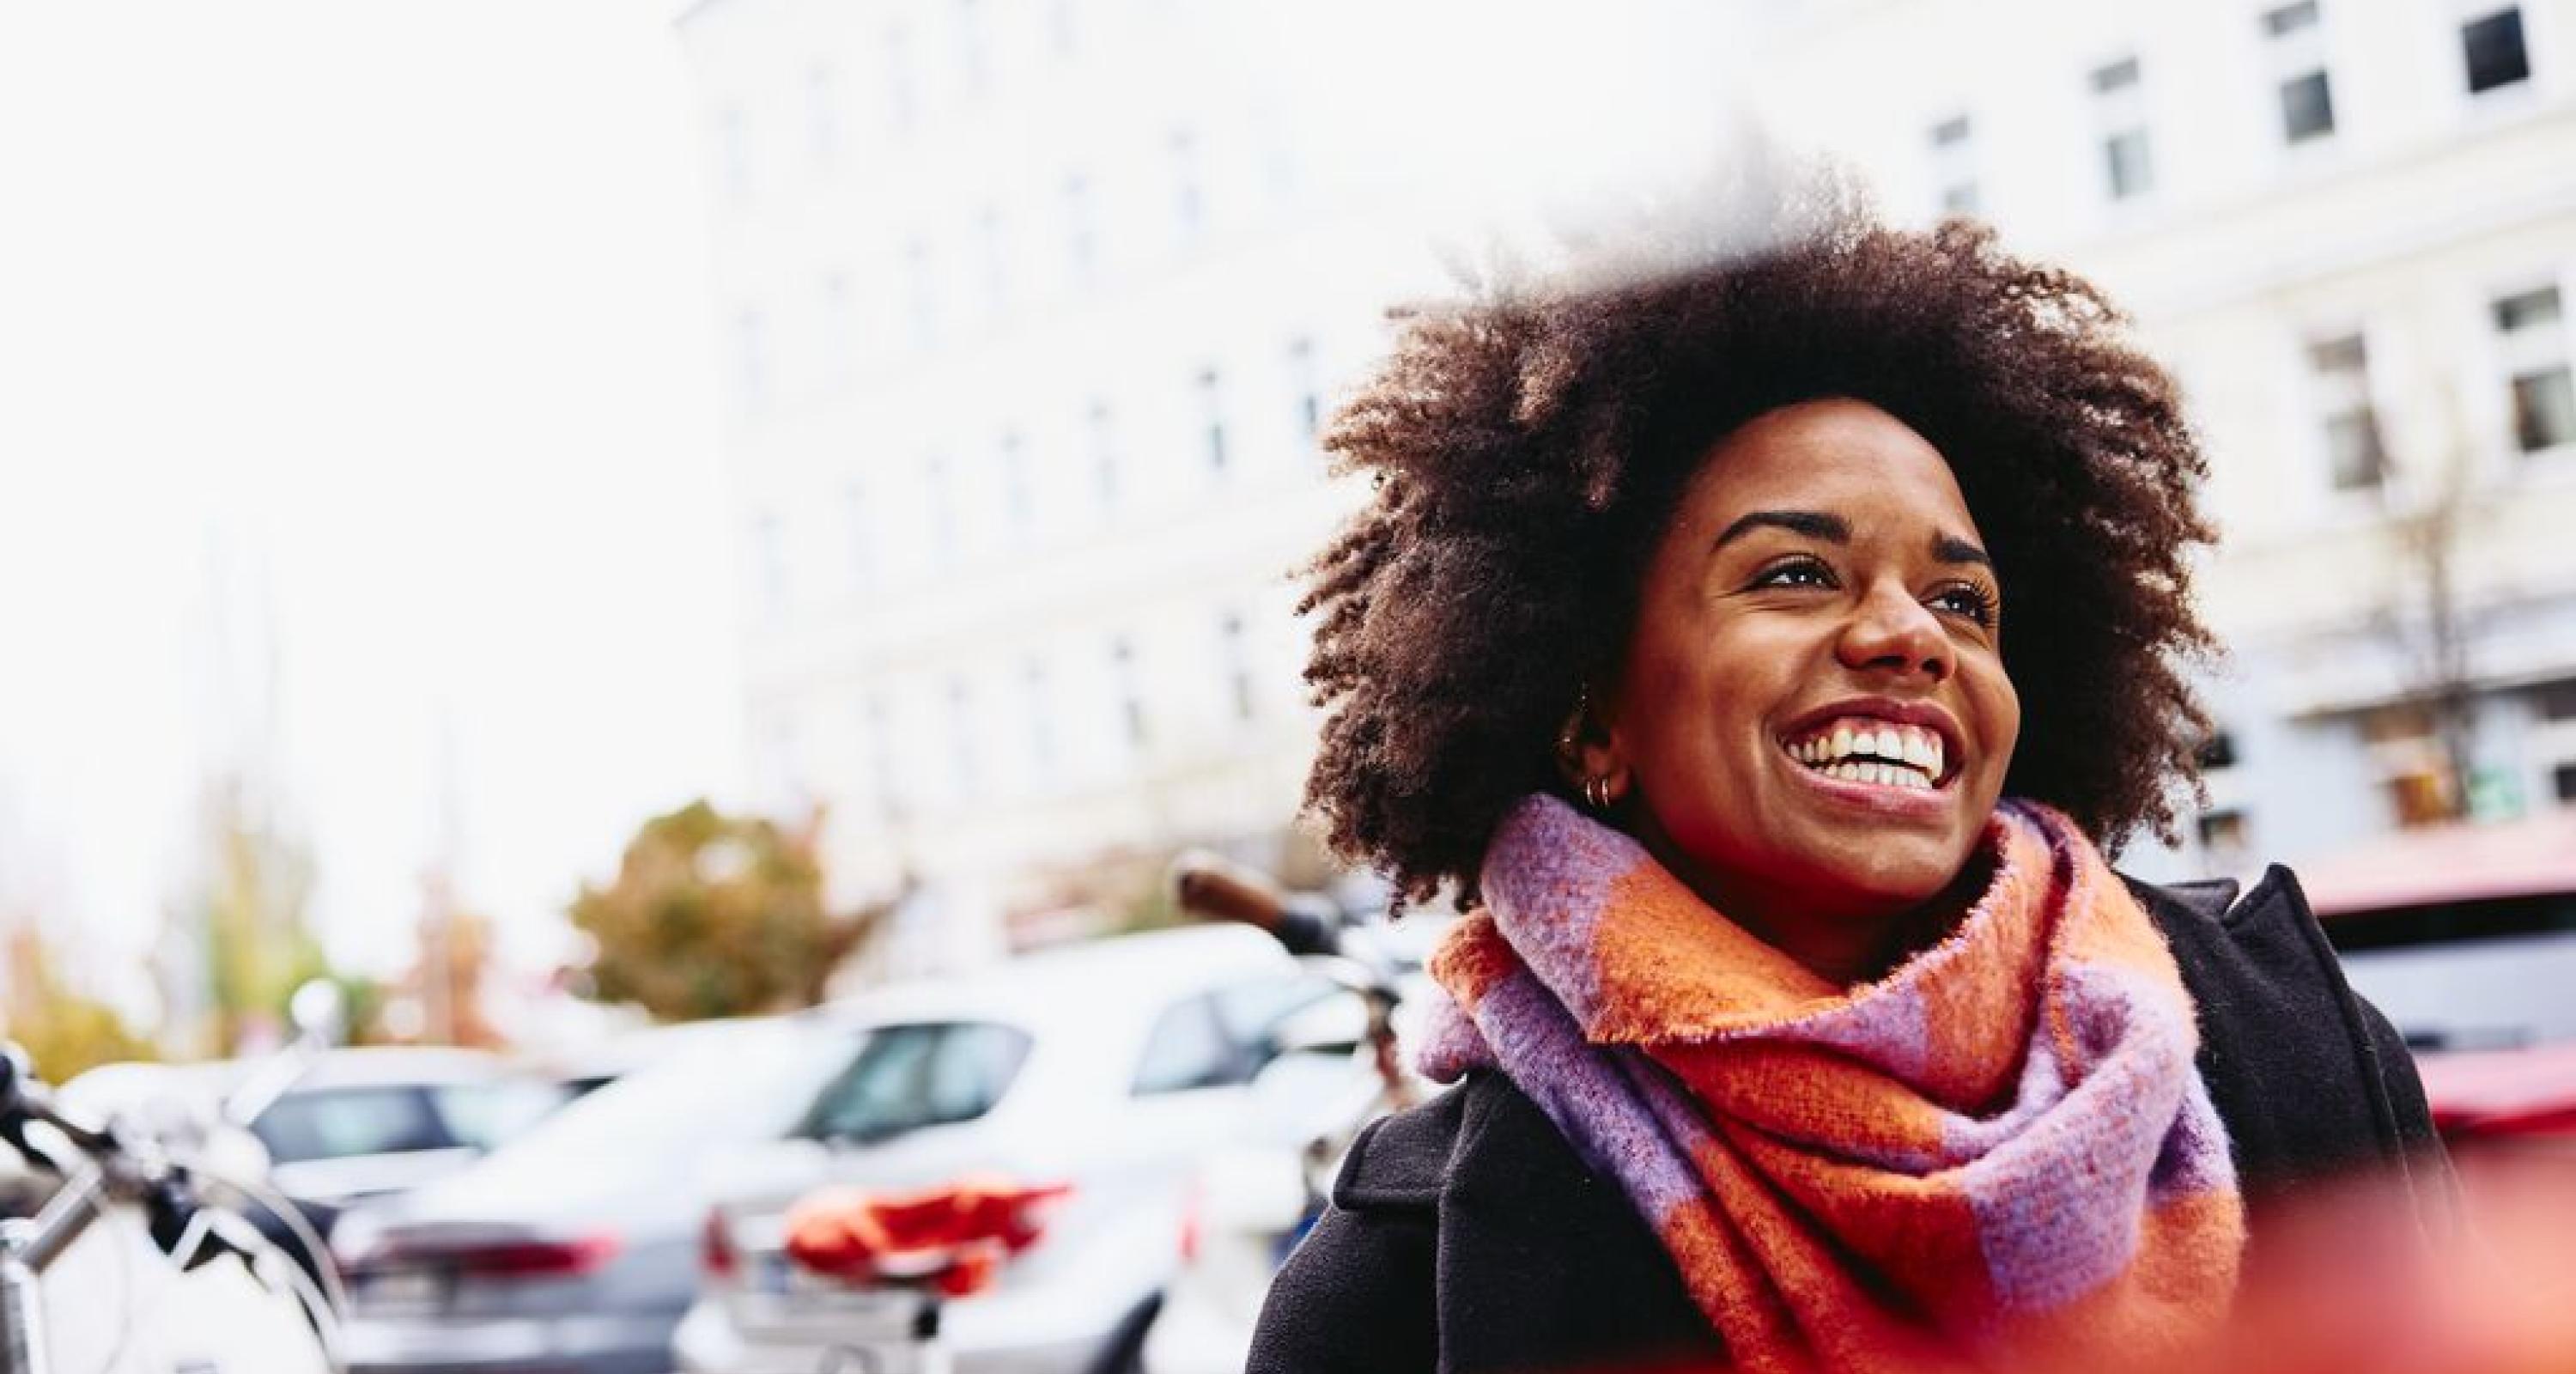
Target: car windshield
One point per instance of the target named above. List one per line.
(915, 1075)
(746, 1085)
(400, 1118)
(2483, 974)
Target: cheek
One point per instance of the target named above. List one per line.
(2002, 711)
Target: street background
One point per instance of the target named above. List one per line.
(448, 453)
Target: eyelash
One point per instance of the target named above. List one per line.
(1981, 607)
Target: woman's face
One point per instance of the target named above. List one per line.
(1812, 720)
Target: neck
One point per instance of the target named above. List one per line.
(1846, 939)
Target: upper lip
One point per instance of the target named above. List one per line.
(1921, 713)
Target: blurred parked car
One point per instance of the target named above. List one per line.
(1113, 1068)
(362, 1124)
(354, 1125)
(594, 1066)
(574, 1249)
(2466, 937)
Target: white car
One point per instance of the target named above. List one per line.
(364, 1123)
(1115, 1068)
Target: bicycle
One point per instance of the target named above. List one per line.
(279, 1321)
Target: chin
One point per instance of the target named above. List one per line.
(1886, 882)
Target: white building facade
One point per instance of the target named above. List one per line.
(1036, 307)
(2350, 227)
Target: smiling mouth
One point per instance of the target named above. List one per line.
(1873, 752)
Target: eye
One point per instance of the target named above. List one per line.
(1968, 601)
(1798, 570)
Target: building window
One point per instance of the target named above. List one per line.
(2222, 834)
(881, 769)
(769, 562)
(733, 153)
(2294, 37)
(1238, 666)
(2120, 110)
(1033, 688)
(2339, 371)
(1189, 195)
(903, 98)
(751, 360)
(1212, 415)
(2414, 766)
(941, 484)
(2552, 740)
(854, 512)
(923, 292)
(1060, 27)
(1103, 439)
(1954, 171)
(2491, 50)
(970, 46)
(1017, 509)
(2307, 108)
(1081, 234)
(1131, 704)
(840, 327)
(1306, 388)
(822, 117)
(962, 755)
(996, 266)
(783, 773)
(2216, 752)
(2531, 335)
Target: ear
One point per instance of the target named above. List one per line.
(1588, 751)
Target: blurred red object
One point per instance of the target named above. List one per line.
(2462, 862)
(2484, 1094)
(952, 1239)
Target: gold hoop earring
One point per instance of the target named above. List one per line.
(1596, 790)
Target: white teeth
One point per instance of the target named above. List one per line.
(1888, 755)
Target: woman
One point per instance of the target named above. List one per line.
(1763, 654)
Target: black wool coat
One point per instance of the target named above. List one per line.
(1465, 1236)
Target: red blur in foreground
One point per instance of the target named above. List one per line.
(2357, 1280)
(951, 1239)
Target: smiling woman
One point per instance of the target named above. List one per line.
(1764, 655)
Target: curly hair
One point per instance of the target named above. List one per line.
(1528, 448)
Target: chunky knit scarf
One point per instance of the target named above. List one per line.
(2001, 1147)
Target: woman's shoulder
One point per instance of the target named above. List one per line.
(2311, 1080)
(1405, 1159)
(1469, 1222)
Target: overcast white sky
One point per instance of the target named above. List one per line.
(398, 313)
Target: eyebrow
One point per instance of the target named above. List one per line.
(1833, 529)
(1949, 548)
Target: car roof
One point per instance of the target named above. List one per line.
(1099, 983)
(376, 1066)
(2463, 862)
(622, 1053)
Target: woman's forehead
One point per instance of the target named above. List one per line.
(1841, 457)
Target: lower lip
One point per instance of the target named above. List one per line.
(1893, 803)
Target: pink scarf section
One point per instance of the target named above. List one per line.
(2003, 1145)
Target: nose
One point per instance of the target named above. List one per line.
(1890, 631)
